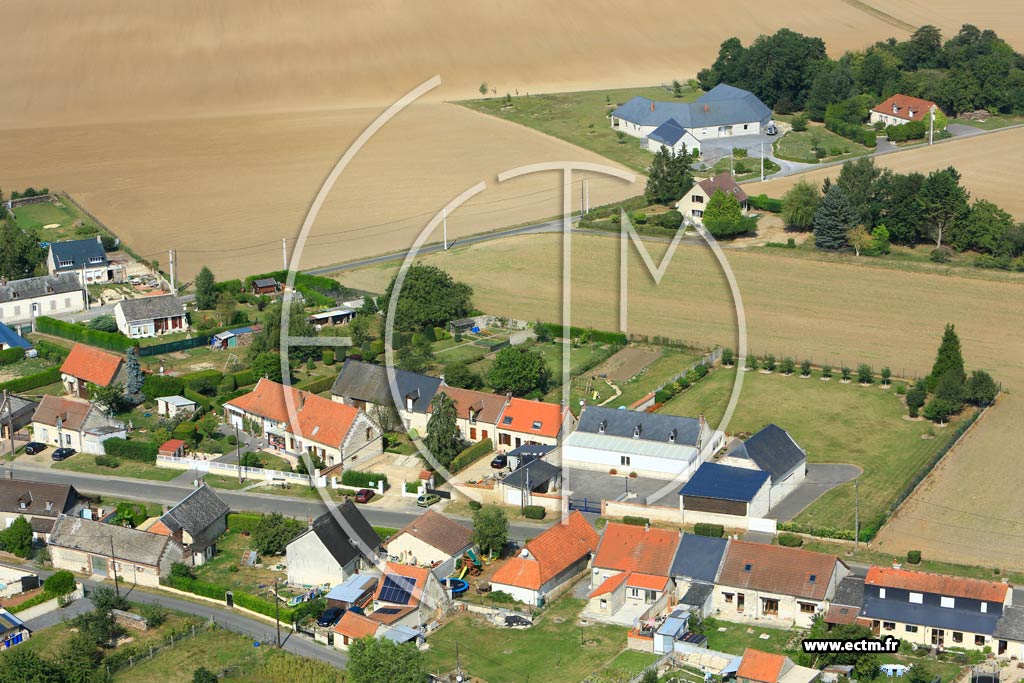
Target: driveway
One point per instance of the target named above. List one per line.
(820, 479)
(716, 148)
(597, 486)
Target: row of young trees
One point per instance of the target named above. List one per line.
(972, 70)
(910, 208)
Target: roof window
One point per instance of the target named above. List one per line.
(747, 567)
(507, 420)
(813, 578)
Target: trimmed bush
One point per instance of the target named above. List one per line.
(914, 557)
(712, 530)
(765, 203)
(156, 386)
(534, 512)
(617, 338)
(361, 480)
(50, 351)
(12, 355)
(475, 505)
(470, 455)
(202, 382)
(636, 521)
(316, 385)
(33, 381)
(141, 451)
(107, 461)
(327, 357)
(790, 540)
(244, 378)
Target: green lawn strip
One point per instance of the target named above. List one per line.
(991, 123)
(798, 146)
(216, 650)
(631, 662)
(581, 118)
(671, 362)
(220, 481)
(29, 366)
(83, 462)
(743, 169)
(555, 650)
(865, 427)
(738, 637)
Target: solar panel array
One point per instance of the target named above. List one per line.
(397, 590)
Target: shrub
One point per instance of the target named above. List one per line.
(599, 336)
(914, 557)
(790, 540)
(317, 384)
(805, 368)
(475, 505)
(865, 375)
(412, 486)
(502, 596)
(61, 582)
(534, 512)
(202, 382)
(788, 366)
(360, 480)
(705, 529)
(845, 373)
(470, 455)
(107, 461)
(636, 521)
(941, 255)
(800, 122)
(141, 451)
(155, 386)
(639, 217)
(670, 219)
(826, 370)
(769, 363)
(327, 357)
(901, 389)
(244, 378)
(765, 203)
(12, 355)
(728, 357)
(33, 381)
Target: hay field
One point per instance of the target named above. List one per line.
(990, 165)
(803, 308)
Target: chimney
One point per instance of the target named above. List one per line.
(49, 505)
(652, 105)
(302, 399)
(706, 109)
(647, 526)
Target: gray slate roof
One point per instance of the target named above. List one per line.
(723, 482)
(1011, 625)
(668, 133)
(929, 615)
(773, 450)
(541, 472)
(697, 594)
(336, 540)
(152, 307)
(35, 494)
(850, 592)
(698, 557)
(653, 426)
(79, 252)
(32, 287)
(90, 536)
(720, 106)
(363, 381)
(196, 511)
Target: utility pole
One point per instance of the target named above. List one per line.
(444, 220)
(762, 162)
(931, 125)
(174, 286)
(113, 565)
(458, 661)
(856, 514)
(277, 612)
(284, 252)
(238, 454)
(9, 406)
(586, 195)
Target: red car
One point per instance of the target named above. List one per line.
(364, 495)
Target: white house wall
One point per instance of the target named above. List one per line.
(644, 465)
(19, 311)
(310, 564)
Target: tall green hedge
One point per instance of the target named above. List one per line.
(156, 386)
(471, 455)
(244, 378)
(141, 451)
(619, 338)
(111, 341)
(316, 385)
(362, 479)
(50, 351)
(33, 381)
(705, 529)
(12, 355)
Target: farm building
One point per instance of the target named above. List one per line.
(70, 423)
(477, 412)
(38, 502)
(431, 540)
(723, 111)
(87, 365)
(900, 109)
(21, 301)
(720, 494)
(774, 451)
(408, 596)
(532, 422)
(85, 259)
(695, 202)
(139, 557)
(328, 553)
(195, 523)
(672, 136)
(150, 316)
(650, 444)
(772, 583)
(548, 564)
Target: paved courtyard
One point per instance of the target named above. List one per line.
(597, 486)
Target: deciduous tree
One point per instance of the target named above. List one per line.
(723, 216)
(520, 371)
(206, 289)
(490, 528)
(981, 389)
(799, 205)
(429, 296)
(379, 660)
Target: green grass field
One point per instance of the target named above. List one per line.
(556, 649)
(671, 362)
(991, 123)
(834, 423)
(743, 169)
(32, 218)
(799, 146)
(28, 366)
(736, 638)
(83, 462)
(582, 118)
(225, 569)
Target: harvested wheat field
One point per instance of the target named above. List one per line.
(990, 164)
(801, 308)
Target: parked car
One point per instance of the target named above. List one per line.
(427, 499)
(63, 453)
(330, 617)
(770, 129)
(516, 621)
(364, 496)
(34, 447)
(499, 462)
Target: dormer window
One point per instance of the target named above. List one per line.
(95, 259)
(895, 109)
(813, 578)
(408, 403)
(22, 504)
(49, 289)
(472, 416)
(672, 436)
(636, 431)
(65, 263)
(910, 113)
(15, 294)
(506, 421)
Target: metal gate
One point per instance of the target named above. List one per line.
(585, 505)
(444, 494)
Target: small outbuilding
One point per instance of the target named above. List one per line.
(173, 406)
(175, 448)
(265, 285)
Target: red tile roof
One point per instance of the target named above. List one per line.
(317, 419)
(171, 446)
(72, 413)
(610, 585)
(905, 104)
(438, 531)
(647, 581)
(486, 406)
(532, 417)
(549, 554)
(760, 666)
(940, 584)
(724, 182)
(267, 400)
(92, 365)
(625, 547)
(356, 625)
(841, 614)
(777, 569)
(392, 615)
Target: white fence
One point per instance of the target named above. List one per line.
(229, 470)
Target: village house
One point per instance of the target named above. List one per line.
(21, 301)
(334, 432)
(477, 412)
(766, 667)
(71, 423)
(9, 339)
(724, 111)
(365, 385)
(85, 259)
(532, 422)
(630, 574)
(900, 109)
(195, 523)
(40, 503)
(548, 564)
(328, 553)
(674, 137)
(87, 365)
(173, 406)
(354, 626)
(86, 546)
(731, 496)
(693, 205)
(650, 444)
(150, 316)
(355, 591)
(775, 584)
(431, 540)
(694, 570)
(934, 610)
(774, 451)
(15, 414)
(845, 606)
(408, 596)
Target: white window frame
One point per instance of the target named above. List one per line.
(945, 601)
(917, 598)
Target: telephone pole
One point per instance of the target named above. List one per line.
(444, 220)
(174, 286)
(8, 404)
(586, 195)
(277, 612)
(113, 565)
(856, 515)
(931, 125)
(284, 252)
(762, 162)
(238, 454)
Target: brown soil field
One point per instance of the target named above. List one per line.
(829, 312)
(626, 362)
(990, 165)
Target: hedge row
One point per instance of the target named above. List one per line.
(217, 591)
(243, 378)
(12, 355)
(317, 384)
(765, 203)
(471, 455)
(855, 132)
(142, 451)
(534, 512)
(33, 381)
(243, 522)
(618, 338)
(156, 386)
(790, 540)
(712, 530)
(912, 130)
(111, 341)
(50, 351)
(362, 479)
(636, 521)
(316, 290)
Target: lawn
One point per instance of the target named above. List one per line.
(738, 637)
(991, 123)
(582, 118)
(32, 218)
(743, 169)
(225, 567)
(671, 362)
(220, 481)
(28, 366)
(556, 649)
(834, 423)
(83, 462)
(799, 146)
